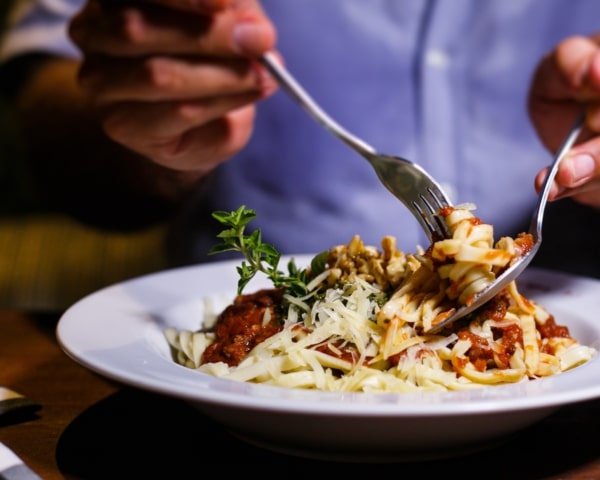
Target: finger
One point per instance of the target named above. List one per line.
(138, 29)
(588, 194)
(567, 72)
(567, 80)
(164, 78)
(146, 28)
(575, 170)
(137, 123)
(588, 190)
(203, 6)
(203, 148)
(578, 171)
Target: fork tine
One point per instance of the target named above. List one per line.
(428, 209)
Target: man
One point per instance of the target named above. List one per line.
(159, 110)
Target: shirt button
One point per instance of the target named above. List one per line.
(437, 58)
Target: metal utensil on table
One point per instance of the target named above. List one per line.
(535, 229)
(15, 406)
(409, 182)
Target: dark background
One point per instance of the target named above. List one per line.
(49, 260)
(16, 195)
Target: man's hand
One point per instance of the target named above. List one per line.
(175, 80)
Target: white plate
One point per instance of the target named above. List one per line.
(118, 333)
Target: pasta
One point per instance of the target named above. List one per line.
(361, 325)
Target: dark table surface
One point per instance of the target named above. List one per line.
(88, 427)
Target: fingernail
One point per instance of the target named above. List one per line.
(582, 167)
(246, 34)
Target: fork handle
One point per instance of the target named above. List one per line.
(537, 219)
(301, 96)
(562, 151)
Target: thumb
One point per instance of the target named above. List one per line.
(253, 33)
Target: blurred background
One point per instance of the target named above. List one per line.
(47, 260)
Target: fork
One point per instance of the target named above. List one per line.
(423, 196)
(535, 229)
(408, 181)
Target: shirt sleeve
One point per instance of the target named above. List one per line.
(39, 26)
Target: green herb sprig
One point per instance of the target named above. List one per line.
(259, 256)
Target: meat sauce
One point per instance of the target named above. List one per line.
(241, 326)
(481, 354)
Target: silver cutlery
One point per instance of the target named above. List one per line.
(409, 182)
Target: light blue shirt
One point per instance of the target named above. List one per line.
(442, 83)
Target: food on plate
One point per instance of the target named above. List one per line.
(355, 319)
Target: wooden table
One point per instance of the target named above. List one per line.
(90, 428)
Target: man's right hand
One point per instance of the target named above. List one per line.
(175, 80)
